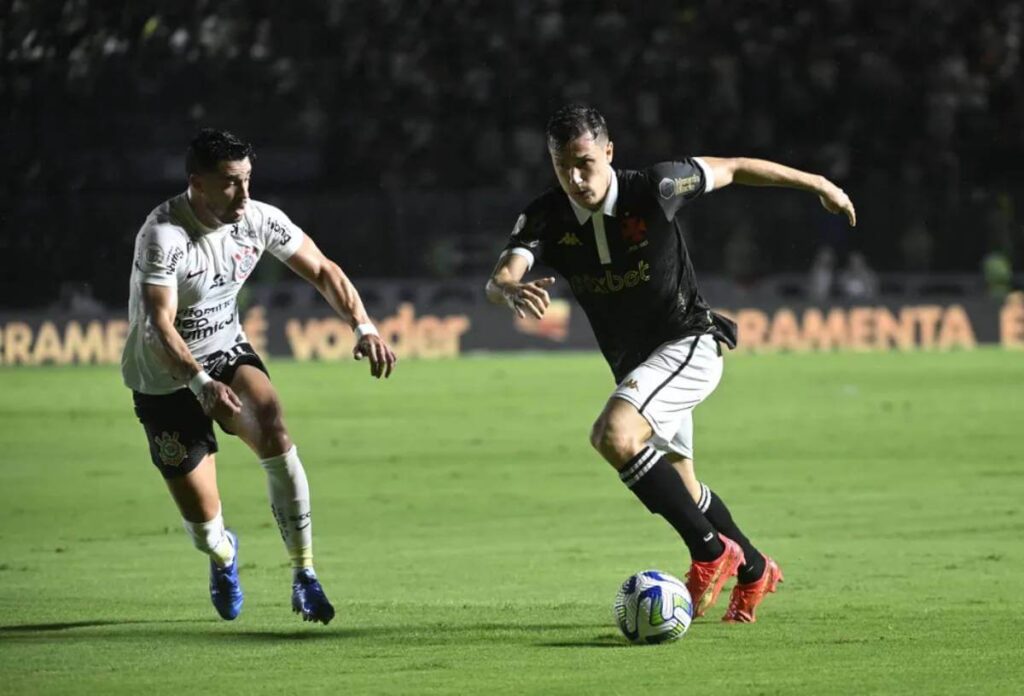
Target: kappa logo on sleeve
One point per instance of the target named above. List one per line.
(669, 188)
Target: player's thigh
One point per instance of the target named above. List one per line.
(196, 493)
(260, 423)
(669, 385)
(242, 369)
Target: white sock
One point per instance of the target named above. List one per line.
(289, 500)
(211, 538)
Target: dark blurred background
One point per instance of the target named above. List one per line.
(406, 135)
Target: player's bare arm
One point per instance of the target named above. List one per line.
(758, 172)
(505, 287)
(331, 282)
(161, 305)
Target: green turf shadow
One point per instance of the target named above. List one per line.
(68, 625)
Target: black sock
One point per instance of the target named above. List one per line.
(658, 486)
(718, 514)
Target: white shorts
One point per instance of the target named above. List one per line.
(669, 384)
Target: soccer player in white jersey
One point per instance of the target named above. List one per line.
(188, 362)
(615, 236)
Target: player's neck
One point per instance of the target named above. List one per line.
(202, 213)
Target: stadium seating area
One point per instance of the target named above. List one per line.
(922, 120)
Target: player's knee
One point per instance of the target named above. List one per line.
(614, 442)
(273, 434)
(268, 414)
(596, 433)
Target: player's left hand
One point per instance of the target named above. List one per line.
(382, 358)
(835, 201)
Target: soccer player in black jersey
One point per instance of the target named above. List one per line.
(614, 236)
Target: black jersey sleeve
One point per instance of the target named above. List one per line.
(527, 238)
(677, 183)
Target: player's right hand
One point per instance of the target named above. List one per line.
(217, 398)
(382, 358)
(834, 200)
(529, 298)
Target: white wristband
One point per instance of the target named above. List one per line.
(365, 330)
(198, 381)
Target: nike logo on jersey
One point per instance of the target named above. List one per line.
(193, 274)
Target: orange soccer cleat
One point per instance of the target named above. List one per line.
(745, 597)
(705, 579)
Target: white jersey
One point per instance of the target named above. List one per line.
(205, 268)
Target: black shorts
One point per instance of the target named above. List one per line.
(179, 433)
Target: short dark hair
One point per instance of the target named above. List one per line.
(572, 121)
(212, 146)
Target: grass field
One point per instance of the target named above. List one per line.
(473, 544)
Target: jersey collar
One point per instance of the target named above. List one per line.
(607, 208)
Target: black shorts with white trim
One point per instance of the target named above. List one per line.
(180, 434)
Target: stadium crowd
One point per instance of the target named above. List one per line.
(916, 107)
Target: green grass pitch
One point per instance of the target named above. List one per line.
(473, 543)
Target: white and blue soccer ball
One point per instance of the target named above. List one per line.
(653, 607)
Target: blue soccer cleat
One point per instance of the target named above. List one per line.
(225, 589)
(308, 598)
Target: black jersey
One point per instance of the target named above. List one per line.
(627, 264)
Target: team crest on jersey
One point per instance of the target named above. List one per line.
(170, 449)
(245, 261)
(634, 230)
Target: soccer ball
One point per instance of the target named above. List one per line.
(653, 607)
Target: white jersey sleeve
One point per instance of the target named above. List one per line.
(279, 235)
(159, 255)
(205, 268)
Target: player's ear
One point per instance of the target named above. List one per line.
(609, 150)
(196, 182)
